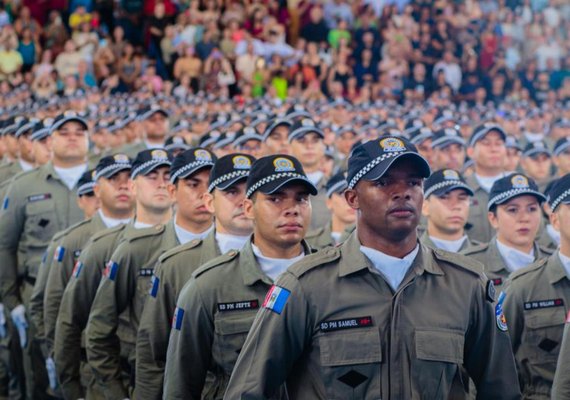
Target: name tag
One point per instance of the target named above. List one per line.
(39, 197)
(238, 306)
(535, 305)
(347, 323)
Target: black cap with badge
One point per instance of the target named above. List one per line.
(269, 174)
(273, 124)
(559, 193)
(483, 130)
(512, 186)
(66, 117)
(561, 146)
(535, 148)
(147, 161)
(191, 161)
(511, 142)
(111, 165)
(230, 169)
(302, 127)
(86, 183)
(336, 184)
(371, 160)
(446, 137)
(444, 181)
(176, 143)
(146, 112)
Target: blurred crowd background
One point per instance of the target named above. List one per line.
(361, 50)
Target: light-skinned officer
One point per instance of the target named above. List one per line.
(446, 207)
(380, 316)
(536, 304)
(226, 192)
(514, 213)
(448, 149)
(217, 306)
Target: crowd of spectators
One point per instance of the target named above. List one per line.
(361, 50)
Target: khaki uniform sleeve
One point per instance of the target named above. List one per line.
(190, 347)
(102, 342)
(152, 340)
(514, 315)
(488, 356)
(561, 388)
(37, 299)
(72, 320)
(273, 344)
(12, 219)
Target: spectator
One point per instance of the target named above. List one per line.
(451, 70)
(336, 10)
(78, 17)
(338, 34)
(246, 63)
(189, 65)
(316, 30)
(55, 33)
(66, 62)
(11, 61)
(129, 69)
(29, 49)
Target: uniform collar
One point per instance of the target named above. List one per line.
(554, 268)
(474, 183)
(210, 248)
(495, 260)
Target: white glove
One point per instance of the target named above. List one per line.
(19, 318)
(2, 322)
(50, 367)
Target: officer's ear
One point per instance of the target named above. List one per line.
(425, 208)
(493, 219)
(209, 201)
(352, 198)
(555, 220)
(470, 152)
(97, 191)
(248, 207)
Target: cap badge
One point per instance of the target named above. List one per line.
(450, 174)
(121, 158)
(159, 155)
(283, 165)
(241, 162)
(519, 182)
(202, 155)
(392, 144)
(450, 132)
(308, 122)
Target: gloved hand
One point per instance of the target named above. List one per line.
(52, 376)
(19, 318)
(2, 322)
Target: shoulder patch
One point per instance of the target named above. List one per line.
(461, 261)
(324, 256)
(533, 267)
(216, 262)
(146, 232)
(180, 249)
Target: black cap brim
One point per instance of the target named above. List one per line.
(378, 171)
(112, 170)
(516, 193)
(148, 169)
(230, 182)
(190, 172)
(277, 184)
(447, 189)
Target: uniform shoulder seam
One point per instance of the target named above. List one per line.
(145, 232)
(216, 262)
(460, 260)
(180, 249)
(106, 232)
(530, 268)
(311, 261)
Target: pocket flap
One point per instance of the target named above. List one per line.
(349, 348)
(440, 345)
(546, 317)
(40, 207)
(231, 326)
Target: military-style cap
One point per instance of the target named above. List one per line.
(269, 174)
(444, 181)
(297, 111)
(111, 165)
(176, 143)
(39, 133)
(512, 186)
(86, 183)
(100, 125)
(336, 184)
(146, 112)
(246, 134)
(561, 146)
(190, 162)
(482, 130)
(26, 126)
(413, 124)
(534, 148)
(371, 160)
(274, 124)
(511, 142)
(209, 138)
(66, 117)
(230, 169)
(302, 127)
(147, 161)
(225, 139)
(445, 137)
(420, 135)
(443, 116)
(559, 193)
(180, 126)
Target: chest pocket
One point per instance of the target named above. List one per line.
(41, 222)
(544, 334)
(350, 364)
(231, 329)
(439, 355)
(143, 285)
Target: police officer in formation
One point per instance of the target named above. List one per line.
(172, 270)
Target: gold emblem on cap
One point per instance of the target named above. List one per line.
(159, 155)
(121, 158)
(93, 173)
(202, 155)
(519, 182)
(450, 174)
(241, 162)
(392, 144)
(283, 164)
(308, 122)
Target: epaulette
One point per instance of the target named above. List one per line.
(145, 232)
(179, 249)
(324, 256)
(224, 258)
(461, 261)
(478, 248)
(106, 232)
(532, 267)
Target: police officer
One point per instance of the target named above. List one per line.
(536, 304)
(307, 146)
(342, 215)
(488, 151)
(561, 385)
(276, 137)
(126, 280)
(12, 166)
(536, 163)
(226, 192)
(514, 152)
(448, 149)
(561, 156)
(399, 324)
(38, 204)
(514, 213)
(217, 306)
(446, 207)
(111, 188)
(154, 125)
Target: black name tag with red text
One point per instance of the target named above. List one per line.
(39, 197)
(538, 304)
(239, 306)
(346, 323)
